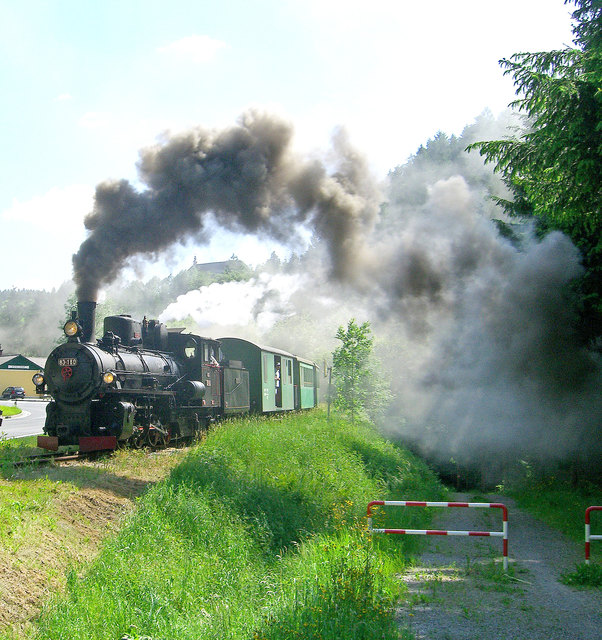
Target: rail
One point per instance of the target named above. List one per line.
(588, 535)
(42, 458)
(439, 532)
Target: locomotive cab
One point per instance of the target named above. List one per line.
(200, 357)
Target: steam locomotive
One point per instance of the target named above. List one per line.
(142, 384)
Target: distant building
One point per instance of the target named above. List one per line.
(17, 370)
(219, 267)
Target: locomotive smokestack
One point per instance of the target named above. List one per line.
(86, 313)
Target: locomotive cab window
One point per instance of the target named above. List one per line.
(190, 349)
(210, 353)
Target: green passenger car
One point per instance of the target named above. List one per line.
(278, 380)
(306, 382)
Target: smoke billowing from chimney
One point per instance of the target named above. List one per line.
(478, 336)
(248, 178)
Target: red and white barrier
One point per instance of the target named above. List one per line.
(588, 535)
(435, 532)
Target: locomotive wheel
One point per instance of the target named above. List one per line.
(155, 438)
(137, 439)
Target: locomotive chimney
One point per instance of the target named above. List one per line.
(86, 313)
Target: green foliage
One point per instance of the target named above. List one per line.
(350, 368)
(350, 599)
(441, 158)
(151, 298)
(236, 273)
(554, 165)
(13, 449)
(31, 322)
(29, 319)
(303, 333)
(22, 505)
(360, 390)
(585, 575)
(559, 502)
(9, 410)
(259, 533)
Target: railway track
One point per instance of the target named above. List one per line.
(37, 458)
(47, 458)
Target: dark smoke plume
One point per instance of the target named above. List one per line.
(477, 332)
(247, 178)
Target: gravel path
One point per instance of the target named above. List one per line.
(458, 590)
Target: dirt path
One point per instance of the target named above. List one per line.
(458, 590)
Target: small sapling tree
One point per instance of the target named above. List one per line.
(360, 391)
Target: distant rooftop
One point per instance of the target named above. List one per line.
(18, 361)
(219, 267)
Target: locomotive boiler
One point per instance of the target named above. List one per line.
(140, 384)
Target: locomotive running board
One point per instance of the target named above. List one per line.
(48, 442)
(97, 443)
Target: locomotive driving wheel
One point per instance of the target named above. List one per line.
(156, 435)
(137, 438)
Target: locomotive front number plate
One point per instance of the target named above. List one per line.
(67, 362)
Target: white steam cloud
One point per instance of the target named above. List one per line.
(261, 301)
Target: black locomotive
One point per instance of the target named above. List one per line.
(142, 384)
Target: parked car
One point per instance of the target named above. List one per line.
(13, 392)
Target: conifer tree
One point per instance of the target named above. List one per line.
(554, 166)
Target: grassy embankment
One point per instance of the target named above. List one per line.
(259, 532)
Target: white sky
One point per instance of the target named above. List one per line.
(85, 85)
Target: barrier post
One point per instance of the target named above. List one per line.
(434, 532)
(588, 535)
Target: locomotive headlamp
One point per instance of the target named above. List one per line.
(108, 377)
(71, 328)
(38, 379)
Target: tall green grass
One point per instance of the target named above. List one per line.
(260, 533)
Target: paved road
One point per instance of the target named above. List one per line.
(28, 423)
